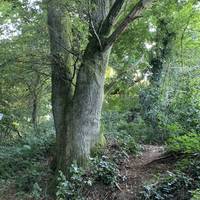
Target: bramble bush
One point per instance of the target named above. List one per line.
(189, 143)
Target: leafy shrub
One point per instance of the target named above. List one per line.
(100, 170)
(189, 143)
(128, 144)
(175, 129)
(63, 188)
(36, 193)
(130, 126)
(173, 186)
(104, 170)
(196, 194)
(116, 126)
(192, 169)
(72, 189)
(176, 185)
(22, 162)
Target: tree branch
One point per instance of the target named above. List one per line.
(75, 68)
(112, 15)
(95, 32)
(133, 14)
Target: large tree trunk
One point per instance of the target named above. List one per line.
(84, 117)
(87, 104)
(77, 115)
(77, 121)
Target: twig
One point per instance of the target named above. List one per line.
(94, 30)
(75, 68)
(117, 185)
(99, 40)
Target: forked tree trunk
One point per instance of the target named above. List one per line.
(77, 120)
(77, 115)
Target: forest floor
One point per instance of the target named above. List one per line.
(135, 172)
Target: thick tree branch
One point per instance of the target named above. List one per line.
(112, 15)
(133, 14)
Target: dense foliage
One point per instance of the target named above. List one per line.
(152, 96)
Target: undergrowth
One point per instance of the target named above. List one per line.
(25, 164)
(101, 170)
(188, 143)
(176, 185)
(184, 182)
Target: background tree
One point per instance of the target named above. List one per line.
(24, 66)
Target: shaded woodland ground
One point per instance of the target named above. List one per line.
(135, 172)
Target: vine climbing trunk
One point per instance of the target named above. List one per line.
(150, 98)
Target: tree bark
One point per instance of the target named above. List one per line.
(77, 114)
(59, 31)
(87, 102)
(34, 111)
(34, 96)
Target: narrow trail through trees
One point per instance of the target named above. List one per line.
(141, 169)
(135, 172)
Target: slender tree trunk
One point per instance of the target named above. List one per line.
(59, 31)
(35, 95)
(34, 110)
